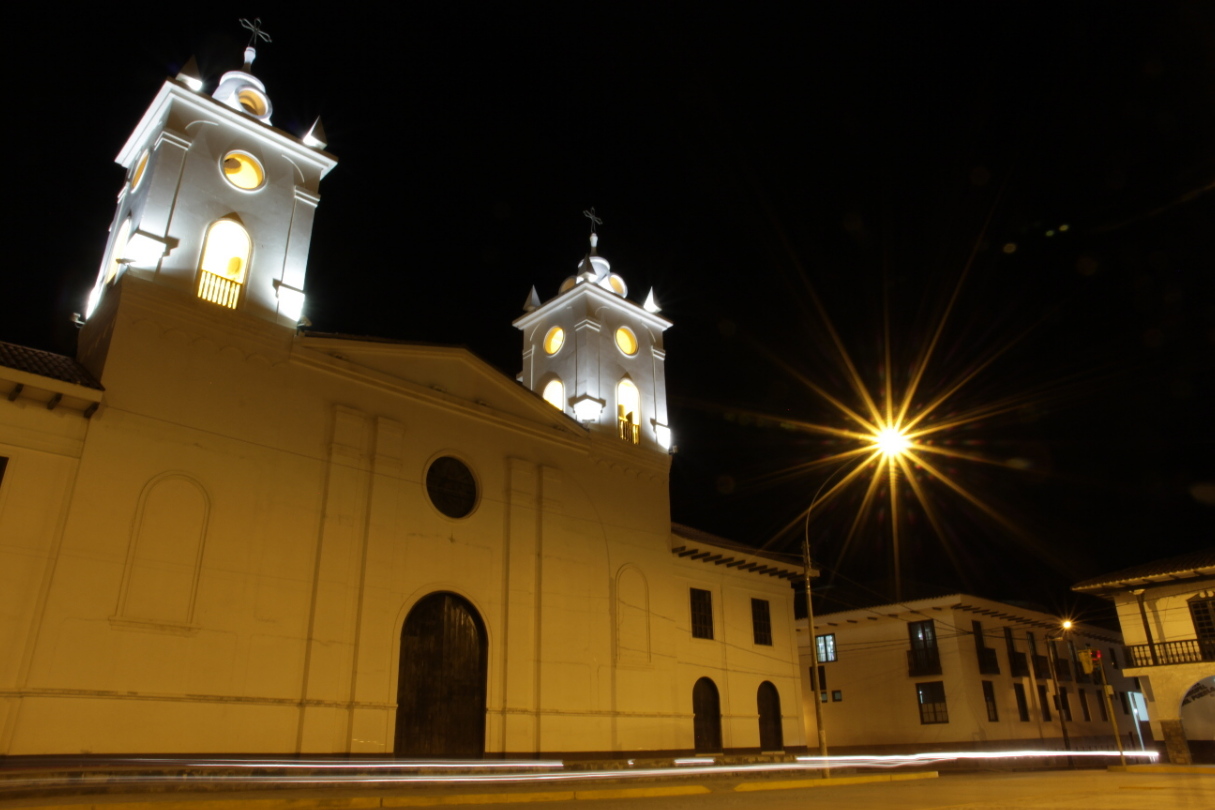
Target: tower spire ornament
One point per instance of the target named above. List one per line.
(255, 31)
(595, 220)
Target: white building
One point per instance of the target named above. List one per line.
(221, 534)
(961, 672)
(1167, 612)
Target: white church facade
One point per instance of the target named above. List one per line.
(222, 534)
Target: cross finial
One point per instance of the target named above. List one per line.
(255, 31)
(593, 218)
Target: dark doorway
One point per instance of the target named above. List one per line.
(706, 717)
(771, 736)
(441, 683)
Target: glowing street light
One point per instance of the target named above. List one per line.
(891, 441)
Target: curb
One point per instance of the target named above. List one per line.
(371, 802)
(1208, 770)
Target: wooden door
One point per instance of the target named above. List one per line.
(441, 684)
(706, 717)
(771, 736)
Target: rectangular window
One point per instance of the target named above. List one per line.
(822, 677)
(989, 697)
(1084, 705)
(1065, 706)
(1202, 611)
(826, 647)
(761, 622)
(1022, 703)
(923, 658)
(1033, 647)
(1114, 658)
(931, 697)
(1125, 701)
(1043, 701)
(702, 613)
(1101, 707)
(837, 696)
(3, 464)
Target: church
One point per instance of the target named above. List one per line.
(222, 533)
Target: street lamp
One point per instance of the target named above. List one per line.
(1065, 626)
(814, 684)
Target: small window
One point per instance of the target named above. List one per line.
(252, 101)
(1022, 703)
(826, 647)
(626, 341)
(243, 171)
(1084, 705)
(628, 411)
(3, 465)
(1101, 707)
(1065, 706)
(618, 287)
(837, 696)
(225, 258)
(451, 487)
(137, 175)
(1125, 701)
(989, 698)
(931, 697)
(554, 394)
(1044, 702)
(702, 613)
(761, 622)
(554, 340)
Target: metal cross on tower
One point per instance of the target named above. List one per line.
(255, 31)
(594, 219)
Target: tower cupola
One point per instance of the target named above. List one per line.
(240, 89)
(598, 356)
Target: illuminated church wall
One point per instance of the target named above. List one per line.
(221, 556)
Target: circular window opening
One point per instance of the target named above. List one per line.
(139, 169)
(451, 487)
(626, 340)
(553, 340)
(253, 102)
(243, 171)
(618, 285)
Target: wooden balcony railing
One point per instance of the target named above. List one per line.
(218, 289)
(1041, 668)
(923, 661)
(1189, 651)
(989, 664)
(1018, 666)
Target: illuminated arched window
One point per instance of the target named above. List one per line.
(554, 394)
(628, 411)
(225, 259)
(118, 249)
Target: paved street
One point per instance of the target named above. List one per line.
(1091, 790)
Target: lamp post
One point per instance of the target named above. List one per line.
(1050, 660)
(1094, 658)
(814, 685)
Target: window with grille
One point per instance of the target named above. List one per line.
(1022, 703)
(702, 613)
(989, 698)
(761, 622)
(826, 647)
(931, 697)
(1203, 613)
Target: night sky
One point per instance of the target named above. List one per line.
(1049, 168)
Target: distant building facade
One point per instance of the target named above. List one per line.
(219, 533)
(961, 672)
(1167, 612)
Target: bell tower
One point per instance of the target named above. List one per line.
(218, 203)
(598, 356)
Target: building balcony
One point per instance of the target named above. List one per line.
(1190, 651)
(1041, 668)
(1018, 665)
(989, 664)
(923, 661)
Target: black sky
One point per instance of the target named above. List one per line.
(741, 158)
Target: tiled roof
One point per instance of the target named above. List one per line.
(46, 364)
(1186, 566)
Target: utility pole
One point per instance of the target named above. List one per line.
(1090, 659)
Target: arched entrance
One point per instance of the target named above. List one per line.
(771, 736)
(441, 683)
(1198, 720)
(706, 717)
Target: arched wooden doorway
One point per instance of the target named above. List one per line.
(706, 717)
(441, 683)
(771, 736)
